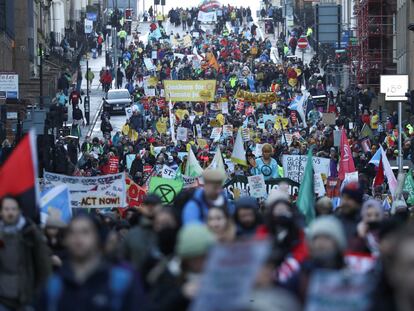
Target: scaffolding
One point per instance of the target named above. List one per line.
(373, 54)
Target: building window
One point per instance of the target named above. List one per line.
(7, 17)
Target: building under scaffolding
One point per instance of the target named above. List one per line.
(372, 54)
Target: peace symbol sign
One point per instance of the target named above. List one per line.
(166, 193)
(266, 170)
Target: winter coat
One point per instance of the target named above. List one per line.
(25, 264)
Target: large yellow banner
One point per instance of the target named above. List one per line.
(190, 91)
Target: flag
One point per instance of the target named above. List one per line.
(166, 189)
(379, 178)
(193, 168)
(239, 154)
(409, 187)
(346, 163)
(366, 132)
(392, 181)
(306, 197)
(56, 201)
(18, 176)
(376, 158)
(298, 105)
(172, 121)
(386, 205)
(212, 61)
(217, 163)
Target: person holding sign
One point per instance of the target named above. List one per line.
(266, 165)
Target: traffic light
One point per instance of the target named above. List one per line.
(162, 2)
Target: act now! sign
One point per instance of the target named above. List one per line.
(105, 191)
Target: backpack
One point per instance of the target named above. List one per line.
(119, 281)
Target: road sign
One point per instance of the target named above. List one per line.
(303, 43)
(394, 87)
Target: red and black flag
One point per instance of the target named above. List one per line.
(18, 176)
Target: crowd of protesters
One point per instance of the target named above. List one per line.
(153, 257)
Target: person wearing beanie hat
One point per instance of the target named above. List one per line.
(212, 195)
(246, 216)
(194, 240)
(326, 228)
(324, 206)
(349, 210)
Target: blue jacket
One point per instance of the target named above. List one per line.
(196, 209)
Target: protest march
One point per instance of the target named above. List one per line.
(239, 181)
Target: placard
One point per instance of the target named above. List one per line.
(190, 91)
(257, 186)
(294, 166)
(105, 191)
(225, 107)
(182, 133)
(168, 172)
(329, 118)
(149, 64)
(228, 130)
(216, 133)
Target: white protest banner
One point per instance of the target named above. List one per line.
(319, 187)
(149, 64)
(182, 133)
(216, 133)
(88, 26)
(199, 132)
(190, 182)
(105, 191)
(228, 130)
(339, 290)
(230, 165)
(294, 166)
(257, 186)
(168, 172)
(207, 17)
(225, 107)
(149, 92)
(230, 271)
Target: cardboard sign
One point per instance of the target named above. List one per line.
(182, 133)
(168, 172)
(149, 64)
(216, 134)
(294, 166)
(339, 290)
(225, 107)
(319, 187)
(329, 118)
(257, 186)
(228, 130)
(230, 271)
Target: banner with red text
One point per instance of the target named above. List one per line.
(105, 191)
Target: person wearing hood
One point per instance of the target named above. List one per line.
(194, 242)
(246, 217)
(141, 239)
(327, 243)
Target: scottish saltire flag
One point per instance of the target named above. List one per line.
(376, 158)
(56, 201)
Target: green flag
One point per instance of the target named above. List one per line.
(166, 189)
(366, 132)
(409, 187)
(306, 198)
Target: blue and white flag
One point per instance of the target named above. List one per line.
(298, 104)
(57, 199)
(376, 158)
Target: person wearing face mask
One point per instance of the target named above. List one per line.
(177, 291)
(368, 229)
(141, 239)
(327, 243)
(288, 238)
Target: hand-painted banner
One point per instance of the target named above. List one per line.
(265, 98)
(190, 91)
(239, 186)
(294, 166)
(105, 191)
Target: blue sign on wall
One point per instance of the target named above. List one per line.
(92, 16)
